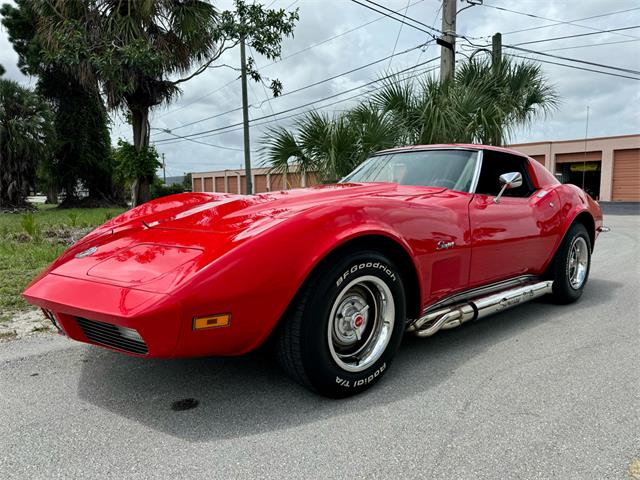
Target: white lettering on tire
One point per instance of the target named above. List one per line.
(355, 268)
(363, 381)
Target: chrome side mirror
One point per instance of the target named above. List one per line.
(508, 181)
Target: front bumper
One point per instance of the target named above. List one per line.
(103, 314)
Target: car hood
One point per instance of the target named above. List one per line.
(233, 213)
(159, 245)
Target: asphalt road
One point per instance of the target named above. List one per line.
(541, 391)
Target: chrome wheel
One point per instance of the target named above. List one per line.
(578, 262)
(361, 323)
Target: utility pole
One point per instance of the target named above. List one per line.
(448, 40)
(245, 118)
(496, 52)
(164, 170)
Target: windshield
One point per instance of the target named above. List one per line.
(452, 169)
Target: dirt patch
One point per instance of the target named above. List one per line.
(65, 236)
(25, 324)
(54, 236)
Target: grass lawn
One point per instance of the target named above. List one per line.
(28, 243)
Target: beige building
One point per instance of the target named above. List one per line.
(608, 167)
(233, 181)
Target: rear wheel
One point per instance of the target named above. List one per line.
(570, 268)
(345, 326)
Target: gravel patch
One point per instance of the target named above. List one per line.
(25, 324)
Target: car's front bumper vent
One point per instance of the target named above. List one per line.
(122, 338)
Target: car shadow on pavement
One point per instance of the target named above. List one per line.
(237, 397)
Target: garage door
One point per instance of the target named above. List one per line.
(579, 157)
(261, 183)
(232, 183)
(219, 184)
(626, 175)
(276, 182)
(539, 159)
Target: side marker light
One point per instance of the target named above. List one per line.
(212, 321)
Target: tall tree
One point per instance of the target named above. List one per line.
(330, 146)
(135, 49)
(81, 155)
(482, 104)
(25, 130)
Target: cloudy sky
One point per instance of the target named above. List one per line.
(613, 101)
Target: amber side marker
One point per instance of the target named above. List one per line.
(212, 321)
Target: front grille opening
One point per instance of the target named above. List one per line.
(122, 338)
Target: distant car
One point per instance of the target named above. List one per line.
(416, 239)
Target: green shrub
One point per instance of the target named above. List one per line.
(29, 225)
(73, 218)
(159, 189)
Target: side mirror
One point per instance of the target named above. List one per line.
(508, 181)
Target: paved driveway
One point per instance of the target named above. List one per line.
(541, 391)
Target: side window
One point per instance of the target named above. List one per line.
(495, 164)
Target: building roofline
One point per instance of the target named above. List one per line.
(241, 171)
(573, 141)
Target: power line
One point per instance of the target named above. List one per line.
(346, 32)
(204, 143)
(395, 45)
(573, 66)
(579, 35)
(310, 47)
(319, 82)
(198, 99)
(434, 29)
(435, 18)
(626, 70)
(198, 134)
(226, 84)
(557, 22)
(201, 134)
(591, 45)
(264, 89)
(266, 122)
(399, 20)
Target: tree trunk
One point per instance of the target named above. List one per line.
(140, 187)
(52, 195)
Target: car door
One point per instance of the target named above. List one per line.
(515, 236)
(440, 234)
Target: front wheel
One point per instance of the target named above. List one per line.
(345, 325)
(571, 264)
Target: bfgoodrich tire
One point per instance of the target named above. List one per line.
(345, 325)
(571, 265)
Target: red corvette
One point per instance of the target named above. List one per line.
(415, 239)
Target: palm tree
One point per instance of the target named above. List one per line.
(330, 146)
(25, 131)
(134, 49)
(483, 103)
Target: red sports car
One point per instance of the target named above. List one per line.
(416, 239)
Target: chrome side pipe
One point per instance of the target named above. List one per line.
(475, 308)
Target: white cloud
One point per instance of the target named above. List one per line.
(613, 101)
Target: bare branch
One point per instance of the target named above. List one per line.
(208, 63)
(225, 65)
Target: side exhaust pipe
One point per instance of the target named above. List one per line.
(475, 308)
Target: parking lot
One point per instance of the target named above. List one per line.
(541, 391)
